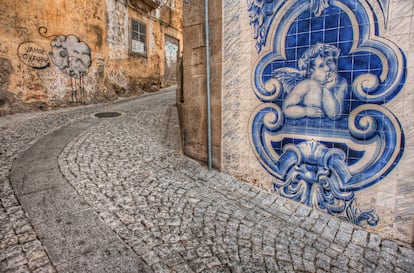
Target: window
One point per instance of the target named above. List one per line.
(138, 37)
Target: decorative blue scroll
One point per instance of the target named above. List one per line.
(324, 75)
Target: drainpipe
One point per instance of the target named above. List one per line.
(210, 158)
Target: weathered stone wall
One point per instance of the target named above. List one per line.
(352, 154)
(193, 109)
(51, 49)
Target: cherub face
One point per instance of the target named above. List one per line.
(323, 69)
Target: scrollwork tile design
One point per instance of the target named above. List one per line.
(323, 75)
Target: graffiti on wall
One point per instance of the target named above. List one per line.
(73, 58)
(33, 55)
(30, 86)
(70, 55)
(171, 58)
(323, 75)
(55, 83)
(116, 74)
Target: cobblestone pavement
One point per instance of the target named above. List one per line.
(169, 210)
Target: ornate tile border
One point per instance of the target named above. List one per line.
(324, 74)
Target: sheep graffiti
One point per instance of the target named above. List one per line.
(72, 57)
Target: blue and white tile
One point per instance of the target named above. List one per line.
(272, 57)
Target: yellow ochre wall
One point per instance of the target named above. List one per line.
(31, 80)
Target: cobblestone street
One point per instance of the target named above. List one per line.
(82, 194)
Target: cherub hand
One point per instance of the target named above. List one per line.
(332, 80)
(314, 112)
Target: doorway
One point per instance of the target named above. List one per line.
(171, 59)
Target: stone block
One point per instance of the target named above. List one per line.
(360, 237)
(72, 235)
(55, 201)
(194, 11)
(113, 257)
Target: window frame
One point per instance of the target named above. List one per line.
(138, 31)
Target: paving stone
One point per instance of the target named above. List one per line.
(321, 244)
(389, 246)
(268, 200)
(268, 250)
(329, 233)
(399, 270)
(341, 261)
(271, 264)
(27, 236)
(310, 238)
(15, 260)
(346, 227)
(72, 235)
(54, 201)
(342, 238)
(18, 269)
(41, 261)
(285, 266)
(298, 264)
(303, 210)
(110, 258)
(309, 266)
(359, 237)
(162, 268)
(48, 268)
(356, 265)
(34, 250)
(387, 256)
(35, 178)
(405, 263)
(319, 226)
(309, 253)
(334, 222)
(371, 255)
(336, 270)
(174, 259)
(374, 241)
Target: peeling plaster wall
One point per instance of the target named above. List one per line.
(117, 23)
(40, 43)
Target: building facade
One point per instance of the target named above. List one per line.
(56, 53)
(311, 100)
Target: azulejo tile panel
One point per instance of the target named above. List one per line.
(324, 74)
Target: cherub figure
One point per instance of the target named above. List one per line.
(316, 91)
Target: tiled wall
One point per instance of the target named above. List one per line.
(317, 103)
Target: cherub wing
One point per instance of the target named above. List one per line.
(288, 77)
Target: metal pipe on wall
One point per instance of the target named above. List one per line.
(210, 159)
